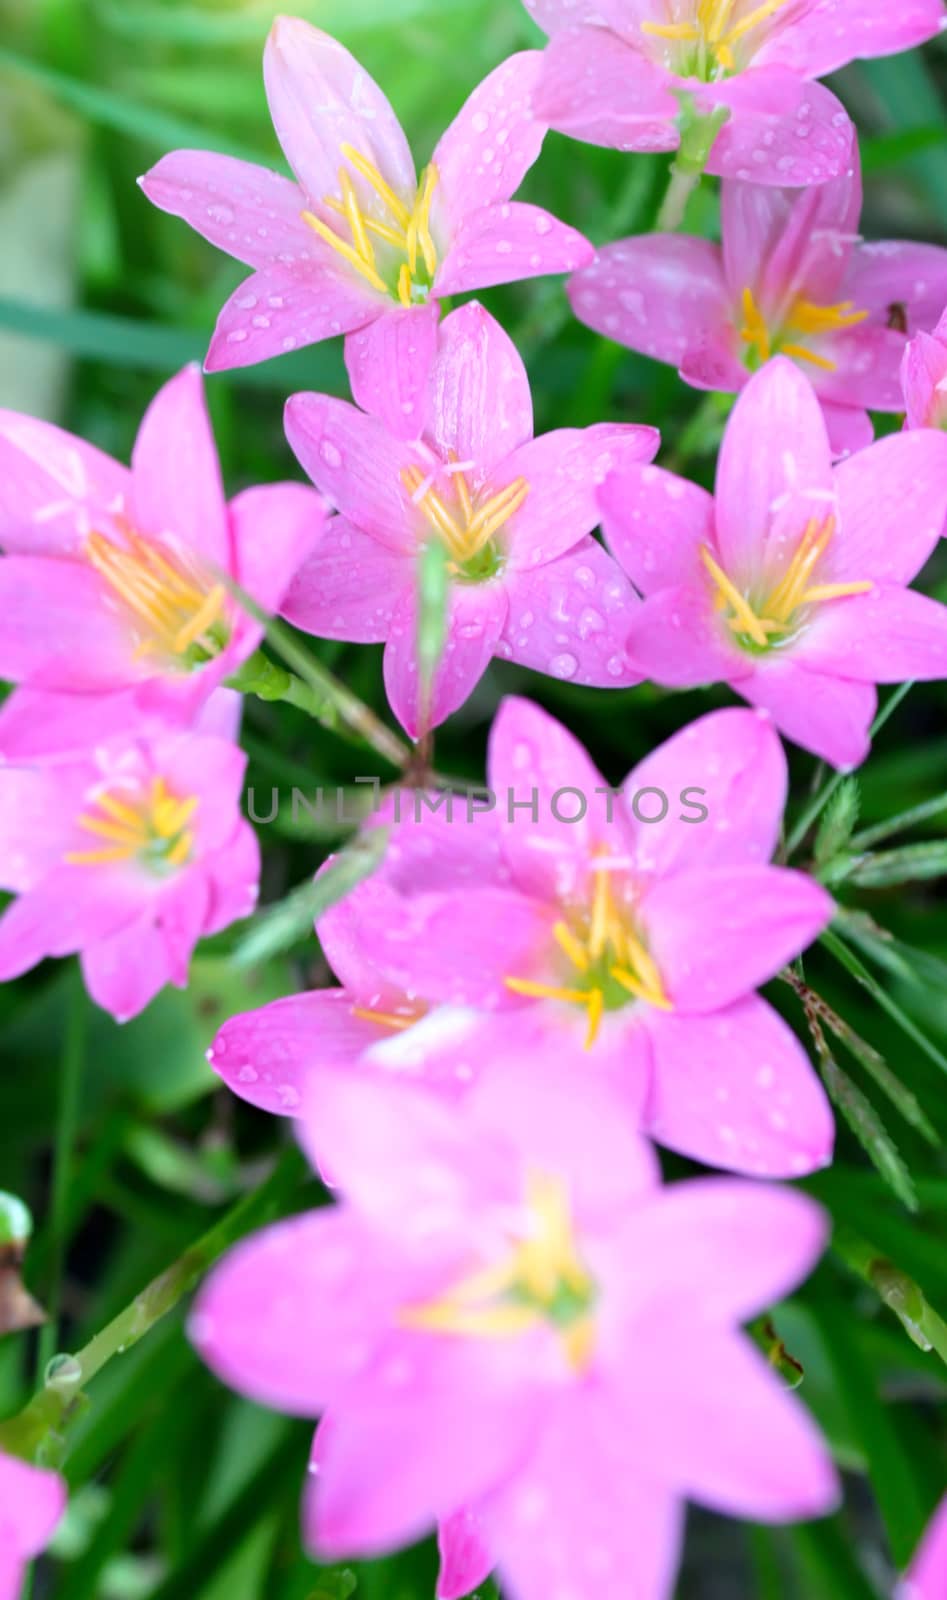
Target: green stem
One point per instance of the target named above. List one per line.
(67, 1119)
(814, 810)
(682, 184)
(924, 812)
(36, 1428)
(701, 432)
(312, 688)
(856, 968)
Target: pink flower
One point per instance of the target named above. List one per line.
(927, 1576)
(359, 238)
(506, 1314)
(615, 71)
(792, 276)
(514, 513)
(792, 584)
(924, 378)
(518, 929)
(127, 855)
(32, 1501)
(112, 578)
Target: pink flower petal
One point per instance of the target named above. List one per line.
(233, 877)
(762, 917)
(778, 404)
(824, 714)
(266, 1056)
(212, 771)
(732, 764)
(505, 243)
(481, 406)
(564, 470)
(248, 211)
(580, 1518)
(849, 430)
(125, 970)
(540, 772)
(356, 463)
(741, 1444)
(277, 528)
(598, 88)
(465, 1560)
(928, 1571)
(554, 15)
(286, 307)
(53, 487)
(736, 1090)
(923, 370)
(790, 244)
(678, 639)
(32, 1500)
(38, 807)
(655, 523)
(831, 33)
(492, 142)
(866, 368)
(476, 617)
(72, 907)
(781, 130)
(569, 618)
(890, 635)
(662, 294)
(891, 272)
(892, 504)
(177, 490)
(389, 365)
(320, 98)
(60, 629)
(349, 587)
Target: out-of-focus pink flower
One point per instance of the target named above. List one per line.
(588, 938)
(112, 578)
(359, 238)
(507, 1314)
(926, 1578)
(32, 1501)
(615, 69)
(513, 513)
(792, 276)
(128, 855)
(924, 378)
(792, 584)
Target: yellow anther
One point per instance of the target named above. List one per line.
(743, 611)
(800, 353)
(404, 284)
(595, 1005)
(792, 592)
(176, 608)
(407, 230)
(685, 31)
(714, 30)
(467, 534)
(754, 331)
(355, 219)
(572, 946)
(806, 318)
(383, 190)
(835, 591)
(364, 268)
(152, 823)
(547, 991)
(386, 1019)
(752, 20)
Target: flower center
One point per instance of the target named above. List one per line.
(760, 625)
(543, 1280)
(150, 824)
(176, 612)
(608, 960)
(467, 523)
(710, 37)
(410, 259)
(806, 319)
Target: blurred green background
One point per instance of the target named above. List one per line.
(182, 1492)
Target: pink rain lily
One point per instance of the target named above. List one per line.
(113, 579)
(791, 585)
(127, 855)
(523, 930)
(792, 276)
(358, 238)
(513, 514)
(927, 1576)
(924, 378)
(507, 1314)
(615, 71)
(32, 1501)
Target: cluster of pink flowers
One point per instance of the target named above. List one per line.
(496, 1321)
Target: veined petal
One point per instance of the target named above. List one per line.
(736, 1090)
(53, 487)
(492, 142)
(69, 909)
(465, 1560)
(827, 715)
(662, 294)
(266, 1056)
(277, 527)
(570, 617)
(762, 141)
(177, 490)
(598, 88)
(233, 879)
(321, 98)
(654, 524)
(504, 243)
(476, 616)
(831, 33)
(125, 970)
(283, 308)
(849, 429)
(349, 587)
(925, 1578)
(790, 244)
(356, 463)
(676, 637)
(892, 506)
(59, 629)
(389, 365)
(38, 807)
(890, 272)
(890, 635)
(866, 368)
(248, 211)
(481, 405)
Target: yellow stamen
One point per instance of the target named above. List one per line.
(754, 331)
(176, 608)
(809, 552)
(404, 285)
(595, 1003)
(685, 31)
(385, 1019)
(346, 251)
(355, 219)
(835, 591)
(807, 317)
(547, 991)
(573, 947)
(800, 353)
(204, 618)
(467, 538)
(748, 620)
(761, 14)
(383, 190)
(381, 230)
(153, 824)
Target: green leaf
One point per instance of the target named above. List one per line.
(838, 822)
(868, 1129)
(913, 863)
(290, 921)
(850, 961)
